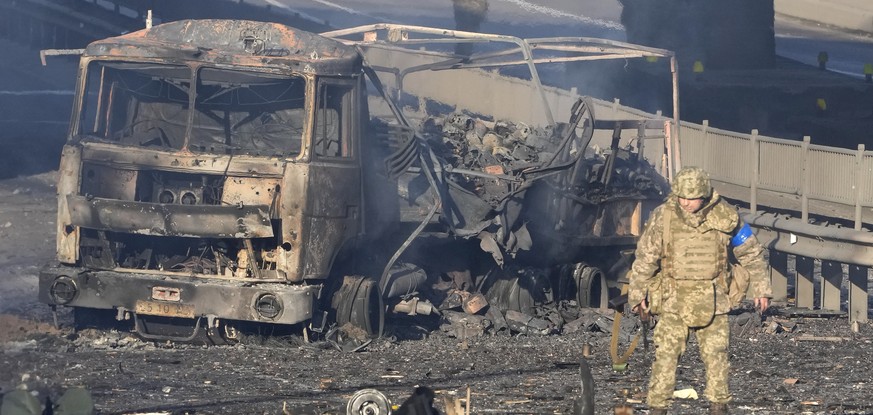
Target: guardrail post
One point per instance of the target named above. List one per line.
(668, 145)
(753, 183)
(858, 293)
(706, 154)
(662, 158)
(859, 186)
(779, 274)
(804, 192)
(641, 140)
(804, 295)
(831, 281)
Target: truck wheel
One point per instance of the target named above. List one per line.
(519, 289)
(584, 283)
(359, 303)
(591, 288)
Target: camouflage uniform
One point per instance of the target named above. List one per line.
(686, 281)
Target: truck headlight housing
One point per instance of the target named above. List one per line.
(63, 290)
(268, 306)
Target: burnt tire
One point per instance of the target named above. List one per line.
(583, 283)
(591, 287)
(358, 302)
(516, 290)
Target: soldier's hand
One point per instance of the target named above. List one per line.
(641, 307)
(762, 303)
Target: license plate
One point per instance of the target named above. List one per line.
(155, 308)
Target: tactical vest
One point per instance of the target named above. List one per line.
(693, 261)
(693, 253)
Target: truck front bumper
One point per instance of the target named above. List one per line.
(177, 296)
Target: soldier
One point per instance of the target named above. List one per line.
(681, 273)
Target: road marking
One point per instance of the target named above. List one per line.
(288, 8)
(530, 7)
(37, 92)
(348, 10)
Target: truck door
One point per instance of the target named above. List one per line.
(334, 190)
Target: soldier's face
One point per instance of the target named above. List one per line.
(691, 205)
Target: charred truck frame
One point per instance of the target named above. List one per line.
(215, 172)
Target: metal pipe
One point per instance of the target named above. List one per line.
(58, 52)
(383, 279)
(796, 237)
(607, 48)
(796, 226)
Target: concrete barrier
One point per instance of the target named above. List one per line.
(846, 14)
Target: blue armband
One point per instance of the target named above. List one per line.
(740, 238)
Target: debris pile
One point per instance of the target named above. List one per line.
(514, 300)
(504, 151)
(499, 149)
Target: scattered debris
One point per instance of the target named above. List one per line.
(463, 326)
(688, 393)
(806, 312)
(809, 338)
(776, 326)
(76, 401)
(525, 324)
(623, 410)
(419, 403)
(584, 404)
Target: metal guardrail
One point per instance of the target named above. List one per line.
(777, 174)
(787, 170)
(792, 169)
(809, 263)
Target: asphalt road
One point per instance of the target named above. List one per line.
(800, 40)
(525, 18)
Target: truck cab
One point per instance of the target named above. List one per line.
(212, 172)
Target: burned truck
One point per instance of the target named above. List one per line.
(223, 172)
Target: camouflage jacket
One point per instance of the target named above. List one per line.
(682, 280)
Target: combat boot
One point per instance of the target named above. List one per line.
(718, 409)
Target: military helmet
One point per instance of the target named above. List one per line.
(692, 183)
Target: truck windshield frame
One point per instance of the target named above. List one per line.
(236, 111)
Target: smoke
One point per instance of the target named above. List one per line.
(728, 34)
(36, 102)
(469, 15)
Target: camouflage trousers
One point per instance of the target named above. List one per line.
(671, 335)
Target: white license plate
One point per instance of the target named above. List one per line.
(156, 308)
